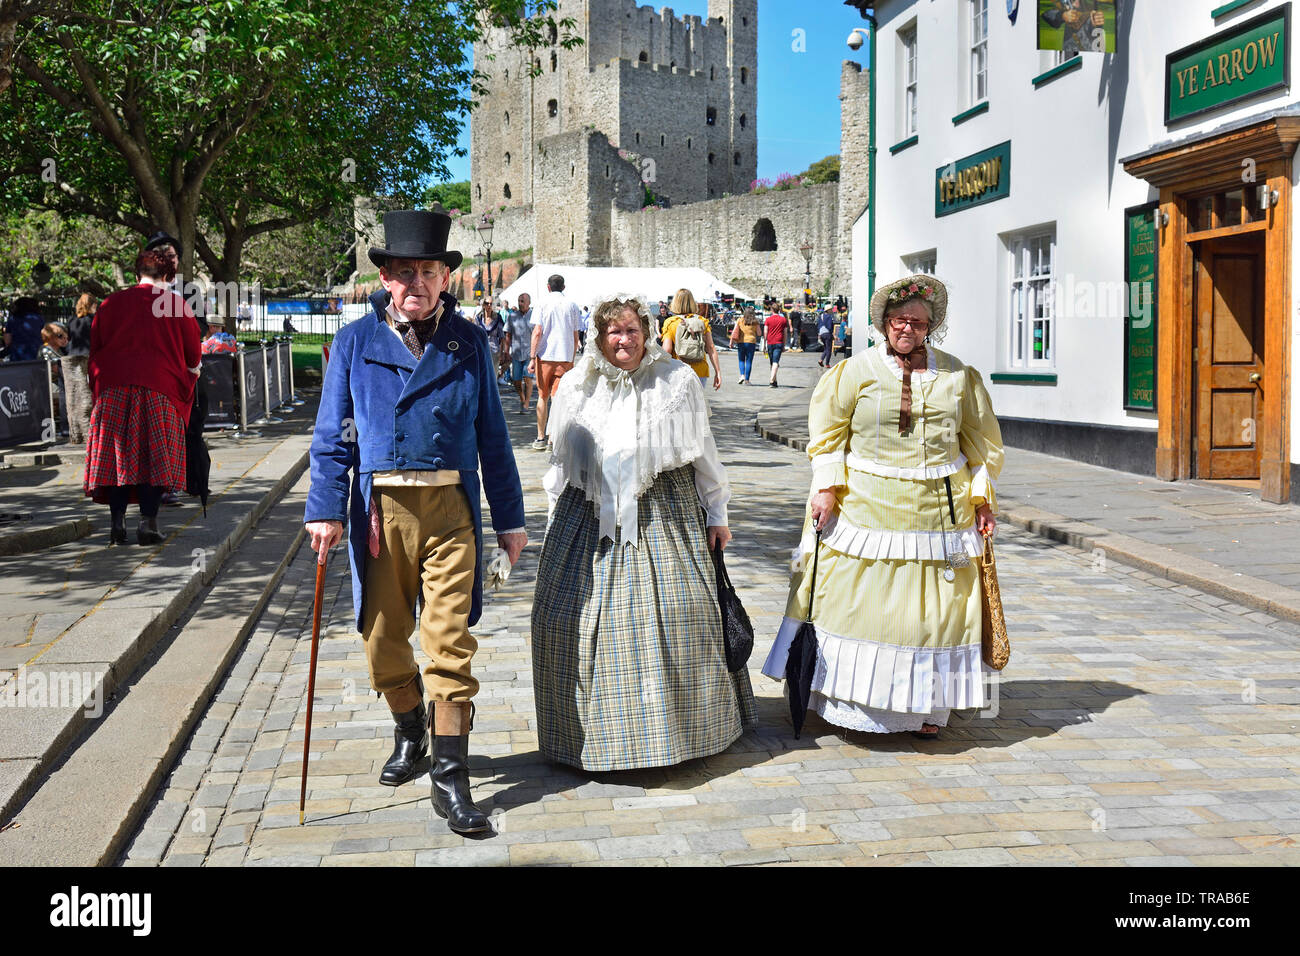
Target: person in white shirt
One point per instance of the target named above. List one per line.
(557, 322)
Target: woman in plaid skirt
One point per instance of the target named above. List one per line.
(144, 361)
(629, 668)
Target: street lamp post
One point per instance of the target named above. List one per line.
(484, 228)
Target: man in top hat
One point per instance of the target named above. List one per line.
(410, 407)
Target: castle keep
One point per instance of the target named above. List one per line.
(678, 94)
(562, 160)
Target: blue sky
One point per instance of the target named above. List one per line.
(798, 92)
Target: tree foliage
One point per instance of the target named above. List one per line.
(825, 170)
(453, 196)
(224, 121)
(83, 255)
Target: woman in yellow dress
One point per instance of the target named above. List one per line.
(905, 449)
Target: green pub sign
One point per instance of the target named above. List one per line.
(1140, 307)
(1248, 60)
(979, 178)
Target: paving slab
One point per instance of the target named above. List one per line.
(130, 597)
(1124, 695)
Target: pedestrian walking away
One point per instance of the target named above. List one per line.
(410, 407)
(826, 336)
(629, 666)
(557, 325)
(515, 345)
(905, 449)
(745, 337)
(775, 327)
(689, 337)
(76, 375)
(144, 364)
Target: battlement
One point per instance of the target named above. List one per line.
(681, 90)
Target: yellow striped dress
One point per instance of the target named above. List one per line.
(898, 645)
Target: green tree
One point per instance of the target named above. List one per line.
(225, 121)
(451, 195)
(825, 170)
(83, 255)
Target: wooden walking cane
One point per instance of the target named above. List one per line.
(311, 677)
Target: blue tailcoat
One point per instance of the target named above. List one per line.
(381, 410)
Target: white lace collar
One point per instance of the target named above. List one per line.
(613, 431)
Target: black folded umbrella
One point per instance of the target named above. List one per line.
(198, 463)
(802, 660)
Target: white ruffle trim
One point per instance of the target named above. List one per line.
(982, 485)
(877, 544)
(853, 716)
(892, 471)
(908, 680)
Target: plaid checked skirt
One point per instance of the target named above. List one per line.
(628, 662)
(136, 438)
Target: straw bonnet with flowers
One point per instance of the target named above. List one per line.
(905, 450)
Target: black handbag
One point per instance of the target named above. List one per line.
(737, 632)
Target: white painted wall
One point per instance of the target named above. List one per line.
(1067, 138)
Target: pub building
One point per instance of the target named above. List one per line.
(1115, 228)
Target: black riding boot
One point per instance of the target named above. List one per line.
(117, 533)
(410, 744)
(450, 768)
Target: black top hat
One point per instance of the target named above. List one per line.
(163, 239)
(416, 234)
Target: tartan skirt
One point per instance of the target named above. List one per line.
(136, 438)
(628, 662)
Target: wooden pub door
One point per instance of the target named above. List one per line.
(1229, 356)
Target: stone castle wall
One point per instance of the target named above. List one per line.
(855, 143)
(716, 236)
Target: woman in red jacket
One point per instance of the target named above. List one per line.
(144, 361)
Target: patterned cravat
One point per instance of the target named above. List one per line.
(908, 362)
(419, 333)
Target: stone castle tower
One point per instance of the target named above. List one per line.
(562, 159)
(676, 96)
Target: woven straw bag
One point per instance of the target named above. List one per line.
(996, 644)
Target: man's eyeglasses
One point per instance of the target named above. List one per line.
(407, 276)
(919, 325)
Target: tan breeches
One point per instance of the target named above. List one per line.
(426, 542)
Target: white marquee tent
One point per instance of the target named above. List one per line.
(589, 285)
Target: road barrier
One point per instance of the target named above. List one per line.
(26, 403)
(218, 371)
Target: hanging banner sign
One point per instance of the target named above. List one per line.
(1248, 60)
(979, 178)
(1140, 308)
(1076, 26)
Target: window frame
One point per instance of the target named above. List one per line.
(915, 263)
(907, 60)
(977, 51)
(1030, 292)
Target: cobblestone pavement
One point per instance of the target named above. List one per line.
(1138, 723)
